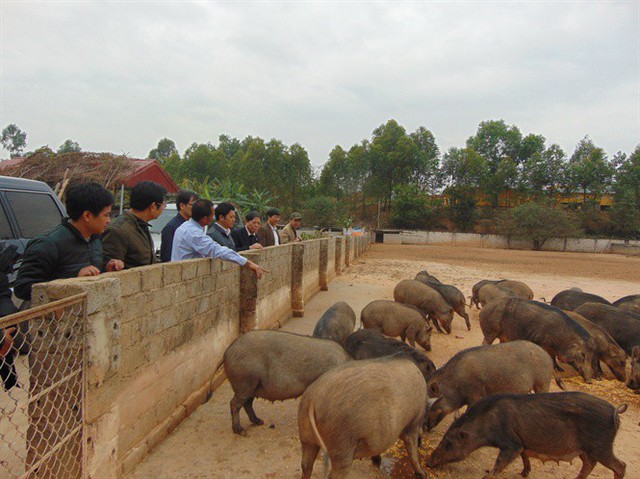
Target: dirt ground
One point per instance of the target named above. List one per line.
(203, 446)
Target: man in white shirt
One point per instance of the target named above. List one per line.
(190, 240)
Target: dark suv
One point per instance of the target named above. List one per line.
(27, 209)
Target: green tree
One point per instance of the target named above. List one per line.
(13, 140)
(410, 207)
(589, 172)
(323, 211)
(296, 177)
(625, 213)
(393, 157)
(69, 146)
(544, 173)
(164, 150)
(427, 174)
(495, 140)
(203, 160)
(537, 221)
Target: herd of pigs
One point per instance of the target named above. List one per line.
(363, 390)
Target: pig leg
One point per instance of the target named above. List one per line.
(340, 465)
(235, 405)
(435, 323)
(466, 320)
(610, 461)
(309, 454)
(505, 458)
(527, 465)
(587, 466)
(248, 407)
(410, 440)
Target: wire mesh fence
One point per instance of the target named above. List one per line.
(42, 361)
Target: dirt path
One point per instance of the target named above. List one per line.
(203, 446)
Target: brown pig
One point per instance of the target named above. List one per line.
(359, 410)
(629, 303)
(548, 426)
(369, 344)
(427, 300)
(336, 323)
(634, 377)
(398, 319)
(472, 374)
(491, 291)
(623, 326)
(570, 299)
(451, 294)
(520, 289)
(606, 348)
(275, 365)
(550, 328)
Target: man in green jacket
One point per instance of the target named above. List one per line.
(72, 248)
(128, 238)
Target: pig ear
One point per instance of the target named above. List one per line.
(635, 352)
(434, 388)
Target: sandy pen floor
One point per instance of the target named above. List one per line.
(203, 446)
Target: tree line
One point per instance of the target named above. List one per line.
(404, 179)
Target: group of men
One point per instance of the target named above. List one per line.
(88, 243)
(178, 240)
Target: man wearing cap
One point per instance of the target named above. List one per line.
(289, 233)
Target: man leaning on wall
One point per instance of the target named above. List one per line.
(220, 231)
(268, 234)
(72, 248)
(289, 233)
(128, 238)
(247, 237)
(190, 241)
(184, 202)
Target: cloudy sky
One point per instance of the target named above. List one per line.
(118, 76)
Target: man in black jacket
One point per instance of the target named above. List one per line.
(72, 248)
(247, 237)
(220, 231)
(184, 202)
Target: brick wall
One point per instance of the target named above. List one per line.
(156, 336)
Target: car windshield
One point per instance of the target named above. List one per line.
(162, 220)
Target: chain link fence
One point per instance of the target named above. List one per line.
(42, 362)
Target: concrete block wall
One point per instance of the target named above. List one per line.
(156, 336)
(580, 245)
(310, 268)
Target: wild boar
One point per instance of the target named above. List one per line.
(341, 413)
(451, 294)
(369, 344)
(517, 289)
(491, 291)
(623, 326)
(398, 319)
(629, 303)
(472, 374)
(548, 426)
(275, 365)
(425, 277)
(606, 348)
(520, 289)
(475, 289)
(548, 327)
(634, 377)
(570, 299)
(336, 323)
(427, 300)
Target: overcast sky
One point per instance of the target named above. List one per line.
(119, 76)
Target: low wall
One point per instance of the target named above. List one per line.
(578, 245)
(156, 336)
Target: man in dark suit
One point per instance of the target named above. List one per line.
(247, 237)
(268, 234)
